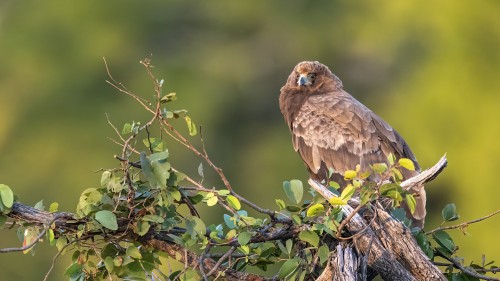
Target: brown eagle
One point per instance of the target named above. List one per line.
(332, 131)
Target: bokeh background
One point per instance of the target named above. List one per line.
(429, 68)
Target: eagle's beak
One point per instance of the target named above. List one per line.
(303, 80)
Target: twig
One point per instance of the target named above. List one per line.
(26, 247)
(462, 225)
(347, 219)
(56, 257)
(469, 272)
(120, 87)
(221, 260)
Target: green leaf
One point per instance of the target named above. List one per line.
(314, 210)
(244, 238)
(134, 252)
(289, 246)
(153, 218)
(294, 190)
(7, 195)
(160, 167)
(310, 237)
(39, 206)
(127, 129)
(347, 192)
(282, 247)
(411, 202)
(388, 187)
(293, 208)
(199, 227)
(180, 113)
(233, 202)
(424, 243)
(296, 219)
(350, 174)
(105, 177)
(324, 253)
(107, 219)
(109, 264)
(168, 98)
(154, 144)
(288, 268)
(191, 126)
(61, 243)
(334, 201)
(200, 170)
(224, 192)
(407, 164)
(379, 168)
(73, 269)
(450, 212)
(142, 227)
(444, 240)
(147, 170)
(334, 185)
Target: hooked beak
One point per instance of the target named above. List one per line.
(303, 80)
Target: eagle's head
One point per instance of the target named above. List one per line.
(312, 75)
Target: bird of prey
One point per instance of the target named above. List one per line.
(332, 131)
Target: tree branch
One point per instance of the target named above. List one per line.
(464, 224)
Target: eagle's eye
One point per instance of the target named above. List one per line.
(312, 77)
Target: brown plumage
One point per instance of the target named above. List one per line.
(332, 130)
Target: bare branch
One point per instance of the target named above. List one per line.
(463, 225)
(426, 175)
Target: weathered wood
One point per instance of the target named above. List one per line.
(366, 242)
(427, 175)
(346, 265)
(391, 249)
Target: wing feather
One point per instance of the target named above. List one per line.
(338, 132)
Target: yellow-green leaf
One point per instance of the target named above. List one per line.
(233, 202)
(391, 159)
(212, 201)
(134, 252)
(191, 126)
(407, 164)
(350, 174)
(53, 207)
(337, 201)
(315, 209)
(411, 202)
(347, 192)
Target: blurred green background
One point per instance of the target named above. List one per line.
(429, 68)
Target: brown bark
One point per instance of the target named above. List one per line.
(390, 247)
